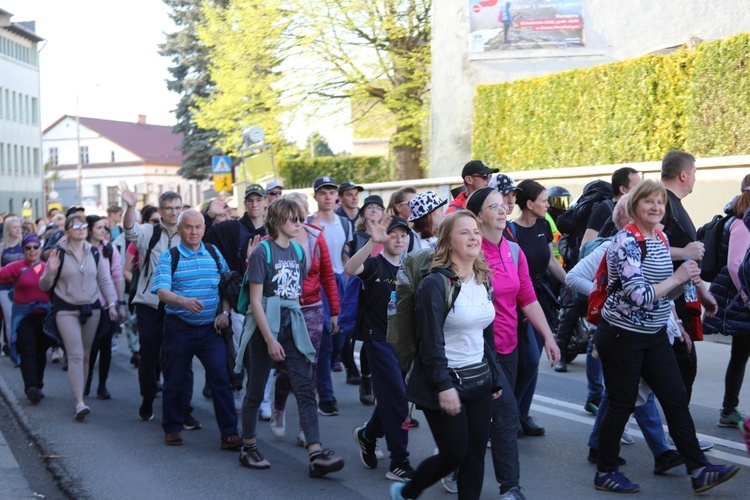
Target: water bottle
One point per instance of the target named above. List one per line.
(691, 293)
(392, 304)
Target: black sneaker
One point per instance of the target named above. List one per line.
(328, 408)
(530, 428)
(667, 460)
(323, 462)
(34, 395)
(190, 423)
(366, 448)
(400, 472)
(592, 405)
(146, 411)
(251, 458)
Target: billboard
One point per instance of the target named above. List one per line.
(497, 25)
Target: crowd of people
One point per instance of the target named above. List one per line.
(273, 301)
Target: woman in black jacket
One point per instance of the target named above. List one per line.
(455, 346)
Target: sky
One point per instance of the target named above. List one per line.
(105, 53)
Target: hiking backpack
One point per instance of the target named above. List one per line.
(573, 221)
(602, 289)
(715, 238)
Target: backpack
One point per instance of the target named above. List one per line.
(155, 236)
(61, 256)
(402, 329)
(744, 274)
(243, 298)
(715, 238)
(592, 245)
(229, 282)
(602, 289)
(352, 310)
(573, 221)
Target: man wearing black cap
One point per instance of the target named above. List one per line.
(349, 198)
(236, 239)
(476, 175)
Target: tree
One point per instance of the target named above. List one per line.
(317, 146)
(376, 50)
(191, 80)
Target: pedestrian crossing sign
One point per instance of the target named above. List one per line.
(221, 165)
(222, 182)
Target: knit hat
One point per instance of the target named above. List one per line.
(30, 238)
(424, 203)
(476, 200)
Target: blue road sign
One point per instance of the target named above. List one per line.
(221, 165)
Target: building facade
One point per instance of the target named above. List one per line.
(142, 155)
(21, 172)
(470, 46)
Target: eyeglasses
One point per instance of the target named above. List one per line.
(171, 209)
(377, 208)
(31, 247)
(497, 207)
(273, 193)
(79, 226)
(483, 176)
(295, 220)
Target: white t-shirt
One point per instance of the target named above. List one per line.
(335, 236)
(472, 312)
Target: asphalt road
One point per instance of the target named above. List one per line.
(113, 455)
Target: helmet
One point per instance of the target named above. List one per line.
(558, 197)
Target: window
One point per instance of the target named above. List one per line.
(15, 160)
(53, 157)
(112, 198)
(28, 109)
(34, 111)
(2, 108)
(2, 158)
(113, 157)
(15, 106)
(84, 155)
(36, 161)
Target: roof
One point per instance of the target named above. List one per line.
(152, 143)
(23, 29)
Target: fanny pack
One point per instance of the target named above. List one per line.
(472, 381)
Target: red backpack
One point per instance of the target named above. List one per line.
(601, 290)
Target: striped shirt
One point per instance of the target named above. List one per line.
(196, 277)
(633, 306)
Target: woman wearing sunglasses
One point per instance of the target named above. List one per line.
(75, 274)
(30, 306)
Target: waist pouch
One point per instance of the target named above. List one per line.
(472, 381)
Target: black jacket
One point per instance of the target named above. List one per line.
(231, 238)
(733, 317)
(429, 375)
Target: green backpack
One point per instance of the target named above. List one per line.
(243, 300)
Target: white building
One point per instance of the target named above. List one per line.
(468, 49)
(21, 172)
(142, 155)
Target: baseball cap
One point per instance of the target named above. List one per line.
(255, 189)
(372, 199)
(504, 184)
(348, 185)
(73, 210)
(273, 184)
(477, 167)
(324, 181)
(397, 221)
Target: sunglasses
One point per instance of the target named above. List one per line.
(79, 226)
(31, 247)
(295, 220)
(274, 193)
(483, 176)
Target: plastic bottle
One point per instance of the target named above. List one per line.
(691, 293)
(392, 304)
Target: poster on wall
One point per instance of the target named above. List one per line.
(498, 25)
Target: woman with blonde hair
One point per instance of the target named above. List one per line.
(11, 250)
(399, 202)
(455, 344)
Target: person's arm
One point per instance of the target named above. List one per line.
(127, 269)
(554, 266)
(581, 277)
(589, 235)
(130, 198)
(693, 250)
(538, 320)
(378, 235)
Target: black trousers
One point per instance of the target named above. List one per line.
(32, 347)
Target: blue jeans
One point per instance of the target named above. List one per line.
(529, 370)
(183, 341)
(594, 375)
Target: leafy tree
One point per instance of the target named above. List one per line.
(318, 146)
(191, 80)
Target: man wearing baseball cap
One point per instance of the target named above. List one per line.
(349, 198)
(273, 191)
(476, 175)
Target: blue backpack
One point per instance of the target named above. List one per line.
(351, 313)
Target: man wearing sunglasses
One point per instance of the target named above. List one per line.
(476, 175)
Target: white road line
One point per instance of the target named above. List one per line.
(582, 417)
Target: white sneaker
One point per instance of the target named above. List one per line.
(378, 452)
(704, 444)
(239, 398)
(265, 411)
(626, 438)
(301, 441)
(278, 423)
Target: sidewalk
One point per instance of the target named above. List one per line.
(13, 484)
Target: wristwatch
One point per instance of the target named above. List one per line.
(225, 313)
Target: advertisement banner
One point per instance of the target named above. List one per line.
(497, 25)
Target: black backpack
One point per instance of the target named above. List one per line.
(573, 222)
(229, 282)
(715, 238)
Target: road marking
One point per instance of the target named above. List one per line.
(582, 417)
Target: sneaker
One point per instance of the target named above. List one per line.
(135, 359)
(731, 419)
(666, 461)
(102, 393)
(57, 355)
(592, 405)
(239, 398)
(378, 452)
(366, 397)
(626, 438)
(713, 475)
(323, 462)
(328, 409)
(278, 423)
(189, 423)
(173, 439)
(515, 493)
(231, 442)
(81, 411)
(400, 472)
(301, 441)
(594, 457)
(450, 482)
(146, 411)
(32, 393)
(207, 393)
(614, 481)
(265, 413)
(396, 490)
(704, 444)
(529, 426)
(366, 448)
(745, 432)
(353, 376)
(337, 367)
(251, 458)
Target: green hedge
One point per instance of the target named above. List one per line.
(628, 111)
(301, 173)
